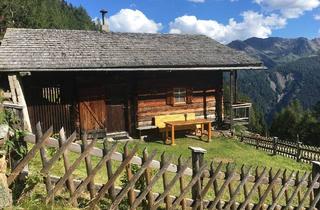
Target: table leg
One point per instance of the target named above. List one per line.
(202, 129)
(167, 134)
(172, 135)
(209, 132)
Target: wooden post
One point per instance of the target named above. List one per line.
(315, 171)
(148, 177)
(231, 99)
(88, 163)
(235, 86)
(16, 87)
(44, 158)
(165, 182)
(298, 154)
(274, 145)
(257, 143)
(219, 106)
(131, 193)
(111, 190)
(197, 162)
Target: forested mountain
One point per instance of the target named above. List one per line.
(294, 72)
(56, 14)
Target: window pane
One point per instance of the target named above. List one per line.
(180, 95)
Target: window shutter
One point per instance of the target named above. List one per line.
(189, 95)
(169, 97)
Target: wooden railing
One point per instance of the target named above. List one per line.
(240, 111)
(213, 186)
(294, 150)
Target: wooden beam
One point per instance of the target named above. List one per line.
(231, 98)
(12, 89)
(16, 87)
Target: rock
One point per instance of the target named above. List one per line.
(5, 194)
(4, 130)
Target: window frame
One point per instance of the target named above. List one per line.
(177, 103)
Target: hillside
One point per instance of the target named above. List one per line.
(56, 14)
(294, 72)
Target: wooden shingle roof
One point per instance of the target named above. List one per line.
(49, 49)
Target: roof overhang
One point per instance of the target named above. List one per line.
(233, 68)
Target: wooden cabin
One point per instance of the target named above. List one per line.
(104, 82)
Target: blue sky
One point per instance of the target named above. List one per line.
(223, 20)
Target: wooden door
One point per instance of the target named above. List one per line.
(92, 108)
(116, 108)
(116, 117)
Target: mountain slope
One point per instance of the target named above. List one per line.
(294, 72)
(274, 50)
(56, 14)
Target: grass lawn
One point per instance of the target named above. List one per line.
(225, 150)
(219, 149)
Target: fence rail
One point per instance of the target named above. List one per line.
(294, 150)
(191, 183)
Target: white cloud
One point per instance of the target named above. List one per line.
(317, 17)
(197, 1)
(289, 8)
(252, 25)
(128, 20)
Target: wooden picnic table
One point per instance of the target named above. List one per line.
(173, 124)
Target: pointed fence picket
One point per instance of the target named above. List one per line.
(213, 186)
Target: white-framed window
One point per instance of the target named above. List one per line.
(180, 95)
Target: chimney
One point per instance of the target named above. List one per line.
(105, 26)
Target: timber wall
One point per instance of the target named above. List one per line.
(152, 91)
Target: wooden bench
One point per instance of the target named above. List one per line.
(160, 121)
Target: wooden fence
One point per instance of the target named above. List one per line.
(203, 186)
(294, 150)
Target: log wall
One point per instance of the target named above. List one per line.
(152, 91)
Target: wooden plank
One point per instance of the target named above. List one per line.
(188, 187)
(131, 195)
(154, 180)
(213, 204)
(170, 185)
(269, 188)
(66, 163)
(233, 196)
(112, 193)
(147, 174)
(282, 191)
(43, 155)
(12, 89)
(60, 183)
(89, 167)
(22, 101)
(314, 181)
(92, 174)
(181, 182)
(97, 152)
(294, 194)
(165, 182)
(61, 150)
(16, 171)
(111, 181)
(131, 183)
